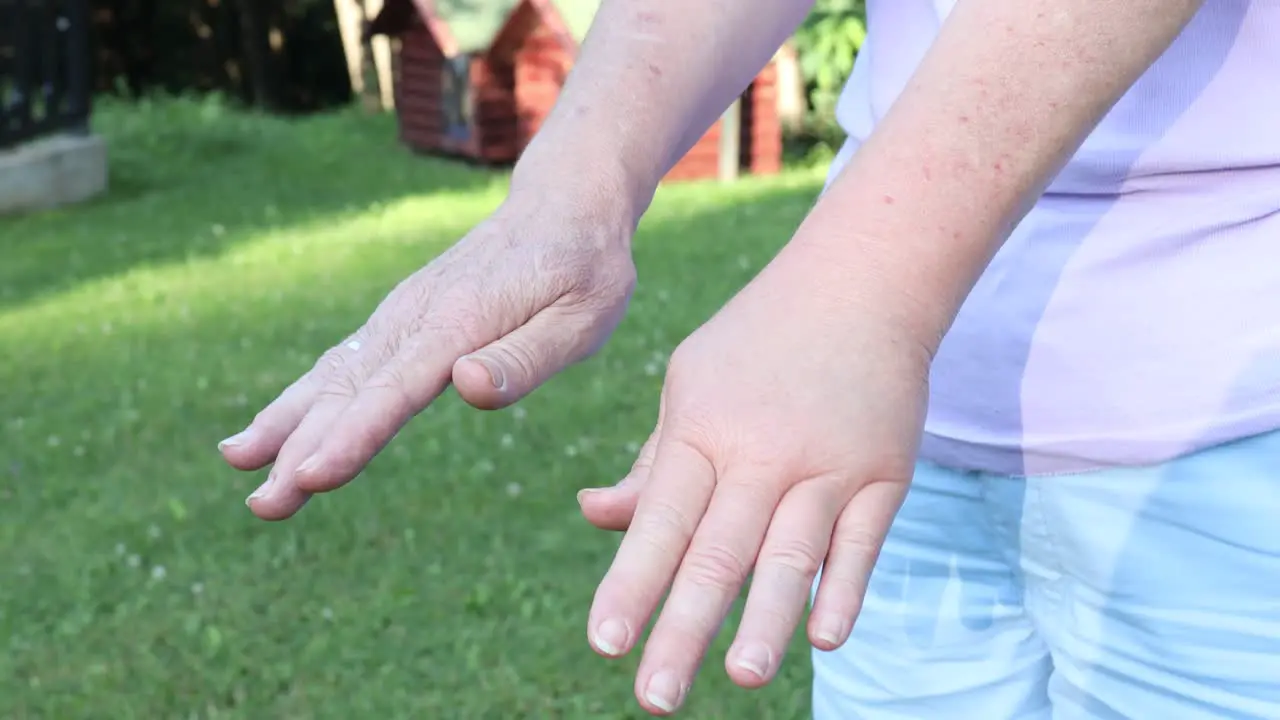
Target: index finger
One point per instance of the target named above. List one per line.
(681, 483)
(388, 399)
(710, 577)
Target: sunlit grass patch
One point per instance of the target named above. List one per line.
(452, 580)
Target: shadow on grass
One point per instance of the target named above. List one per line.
(191, 178)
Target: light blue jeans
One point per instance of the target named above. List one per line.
(1134, 594)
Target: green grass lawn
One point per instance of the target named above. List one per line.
(452, 580)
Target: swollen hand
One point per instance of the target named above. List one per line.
(785, 442)
(535, 287)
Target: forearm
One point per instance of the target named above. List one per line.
(1007, 94)
(651, 77)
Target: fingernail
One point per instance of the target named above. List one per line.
(587, 491)
(309, 465)
(234, 440)
(664, 691)
(261, 491)
(830, 630)
(611, 637)
(755, 658)
(496, 376)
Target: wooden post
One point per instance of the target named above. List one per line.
(368, 59)
(381, 51)
(350, 16)
(730, 142)
(792, 103)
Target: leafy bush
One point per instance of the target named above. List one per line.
(827, 43)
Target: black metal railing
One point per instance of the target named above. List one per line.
(44, 68)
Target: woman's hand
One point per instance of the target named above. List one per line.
(786, 438)
(538, 285)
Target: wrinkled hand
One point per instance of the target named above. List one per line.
(786, 438)
(537, 286)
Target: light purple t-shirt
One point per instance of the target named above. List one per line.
(1134, 315)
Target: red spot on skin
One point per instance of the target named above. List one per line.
(649, 18)
(999, 166)
(888, 200)
(955, 235)
(928, 174)
(964, 119)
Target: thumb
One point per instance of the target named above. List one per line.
(514, 365)
(612, 508)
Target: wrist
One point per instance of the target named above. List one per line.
(594, 194)
(595, 175)
(867, 280)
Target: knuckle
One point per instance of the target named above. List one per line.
(389, 382)
(843, 584)
(681, 357)
(332, 362)
(663, 525)
(600, 290)
(644, 461)
(414, 291)
(338, 386)
(694, 426)
(586, 330)
(611, 279)
(336, 391)
(464, 320)
(855, 542)
(774, 616)
(794, 555)
(381, 332)
(716, 566)
(517, 357)
(566, 268)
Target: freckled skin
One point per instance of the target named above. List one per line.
(889, 251)
(1008, 91)
(1018, 105)
(681, 63)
